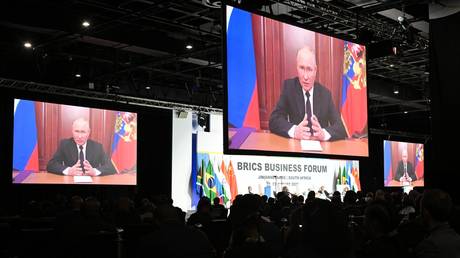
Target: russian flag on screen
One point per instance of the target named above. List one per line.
(25, 151)
(419, 161)
(124, 145)
(243, 101)
(388, 172)
(354, 95)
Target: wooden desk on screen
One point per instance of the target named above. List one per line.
(415, 183)
(44, 177)
(271, 142)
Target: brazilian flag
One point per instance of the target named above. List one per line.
(209, 183)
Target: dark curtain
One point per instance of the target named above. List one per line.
(445, 91)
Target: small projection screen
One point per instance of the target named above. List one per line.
(403, 164)
(47, 140)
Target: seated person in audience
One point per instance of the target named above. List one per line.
(324, 232)
(379, 242)
(442, 241)
(79, 155)
(218, 211)
(173, 238)
(251, 235)
(323, 194)
(310, 197)
(250, 190)
(202, 217)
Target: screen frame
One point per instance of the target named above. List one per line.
(226, 148)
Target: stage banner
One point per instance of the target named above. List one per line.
(201, 169)
(228, 175)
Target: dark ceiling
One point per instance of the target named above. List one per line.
(137, 48)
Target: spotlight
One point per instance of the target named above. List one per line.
(405, 112)
(147, 87)
(396, 91)
(181, 114)
(188, 46)
(27, 44)
(85, 24)
(203, 121)
(212, 3)
(403, 21)
(77, 75)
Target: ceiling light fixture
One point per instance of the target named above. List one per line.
(188, 46)
(85, 24)
(27, 44)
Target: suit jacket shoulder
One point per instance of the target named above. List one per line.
(322, 90)
(93, 144)
(68, 142)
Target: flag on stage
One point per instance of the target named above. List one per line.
(243, 101)
(222, 185)
(224, 170)
(232, 180)
(353, 176)
(200, 176)
(348, 167)
(355, 173)
(25, 150)
(354, 95)
(209, 182)
(339, 176)
(196, 192)
(124, 145)
(228, 179)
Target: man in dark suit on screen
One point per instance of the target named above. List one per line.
(405, 171)
(79, 155)
(305, 109)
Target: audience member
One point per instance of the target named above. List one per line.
(442, 240)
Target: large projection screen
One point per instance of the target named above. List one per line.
(47, 140)
(270, 66)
